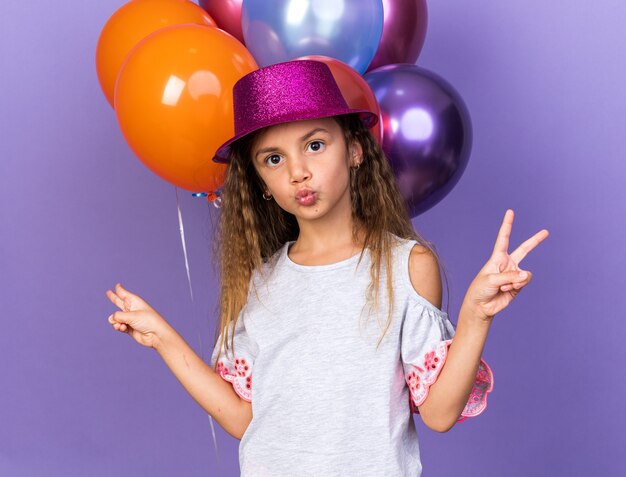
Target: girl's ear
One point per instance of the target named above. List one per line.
(356, 153)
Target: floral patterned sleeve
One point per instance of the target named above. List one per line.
(236, 365)
(426, 336)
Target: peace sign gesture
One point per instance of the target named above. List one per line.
(500, 280)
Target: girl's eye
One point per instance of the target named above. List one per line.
(273, 160)
(316, 145)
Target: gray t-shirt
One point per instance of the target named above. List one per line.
(325, 401)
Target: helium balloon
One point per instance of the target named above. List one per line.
(404, 31)
(131, 23)
(354, 89)
(174, 104)
(348, 30)
(427, 133)
(227, 15)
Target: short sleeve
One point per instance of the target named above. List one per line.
(427, 333)
(236, 365)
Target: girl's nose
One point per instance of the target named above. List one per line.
(298, 170)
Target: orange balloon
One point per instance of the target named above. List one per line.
(355, 90)
(174, 102)
(130, 24)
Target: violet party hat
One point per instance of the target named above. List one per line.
(283, 92)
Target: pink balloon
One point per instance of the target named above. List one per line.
(404, 31)
(227, 15)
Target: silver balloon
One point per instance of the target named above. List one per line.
(282, 30)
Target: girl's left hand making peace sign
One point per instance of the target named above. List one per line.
(499, 281)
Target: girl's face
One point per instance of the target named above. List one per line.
(305, 166)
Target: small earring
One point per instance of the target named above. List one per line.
(266, 197)
(358, 164)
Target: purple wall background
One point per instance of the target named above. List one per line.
(544, 83)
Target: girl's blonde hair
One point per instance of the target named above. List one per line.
(252, 229)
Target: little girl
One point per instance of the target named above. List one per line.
(331, 333)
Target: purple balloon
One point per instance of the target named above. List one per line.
(227, 15)
(404, 31)
(427, 132)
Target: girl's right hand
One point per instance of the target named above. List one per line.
(137, 318)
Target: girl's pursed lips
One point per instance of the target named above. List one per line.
(306, 197)
(303, 193)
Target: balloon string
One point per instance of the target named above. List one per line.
(181, 228)
(217, 455)
(215, 198)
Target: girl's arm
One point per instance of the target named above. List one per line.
(494, 288)
(449, 393)
(215, 395)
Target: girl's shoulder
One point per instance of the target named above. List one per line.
(420, 272)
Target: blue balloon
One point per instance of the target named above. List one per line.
(275, 31)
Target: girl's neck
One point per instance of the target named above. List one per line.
(320, 245)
